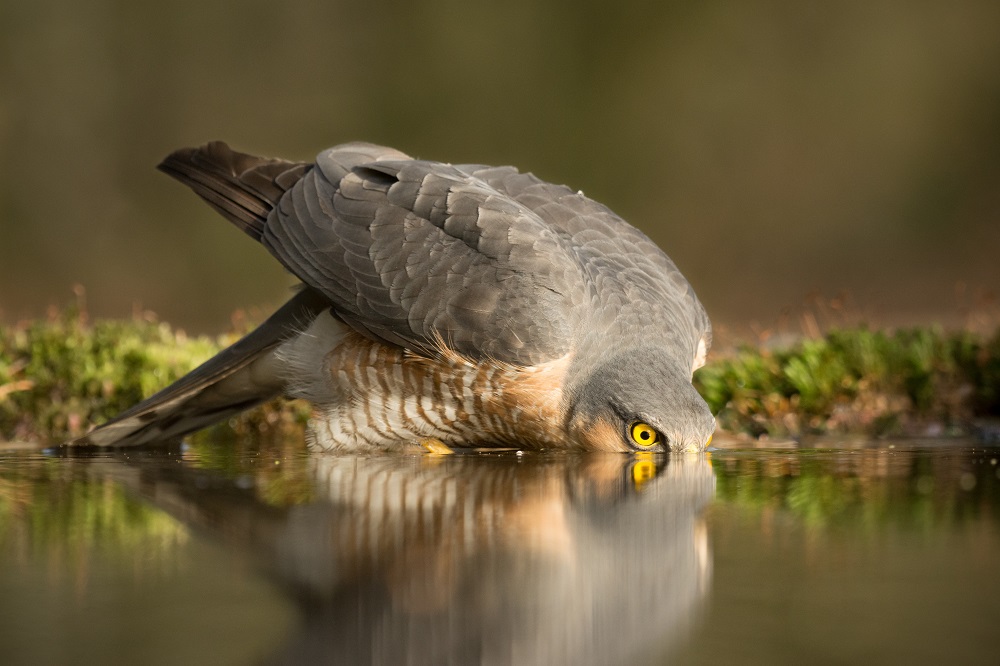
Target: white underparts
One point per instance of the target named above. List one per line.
(304, 360)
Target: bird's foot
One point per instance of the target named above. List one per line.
(435, 446)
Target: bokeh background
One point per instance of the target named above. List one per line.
(783, 152)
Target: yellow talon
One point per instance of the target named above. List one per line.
(436, 447)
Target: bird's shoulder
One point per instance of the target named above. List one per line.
(634, 280)
(412, 252)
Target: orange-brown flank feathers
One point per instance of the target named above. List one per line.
(600, 435)
(384, 396)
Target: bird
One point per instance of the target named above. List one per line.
(444, 307)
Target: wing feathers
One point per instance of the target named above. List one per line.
(241, 187)
(406, 250)
(235, 379)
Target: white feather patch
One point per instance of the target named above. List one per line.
(700, 355)
(304, 360)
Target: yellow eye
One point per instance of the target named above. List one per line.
(643, 435)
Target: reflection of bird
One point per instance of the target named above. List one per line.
(495, 561)
(498, 559)
(444, 305)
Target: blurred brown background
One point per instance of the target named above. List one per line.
(774, 149)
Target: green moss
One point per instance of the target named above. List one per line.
(59, 376)
(858, 381)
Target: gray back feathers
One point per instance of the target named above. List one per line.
(493, 262)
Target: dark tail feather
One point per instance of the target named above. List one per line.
(243, 188)
(233, 380)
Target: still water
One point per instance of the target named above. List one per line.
(217, 553)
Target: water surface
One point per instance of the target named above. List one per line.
(219, 553)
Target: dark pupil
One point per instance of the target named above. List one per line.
(644, 434)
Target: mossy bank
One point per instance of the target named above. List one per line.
(918, 381)
(60, 375)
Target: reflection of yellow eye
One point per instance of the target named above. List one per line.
(643, 471)
(643, 435)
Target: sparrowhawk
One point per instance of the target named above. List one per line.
(445, 305)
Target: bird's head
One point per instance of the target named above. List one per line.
(639, 400)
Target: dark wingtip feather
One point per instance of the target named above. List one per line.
(226, 384)
(243, 188)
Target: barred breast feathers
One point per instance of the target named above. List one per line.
(444, 394)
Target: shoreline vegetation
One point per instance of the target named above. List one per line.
(62, 374)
